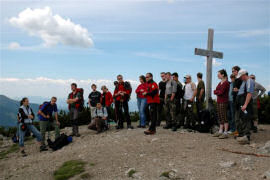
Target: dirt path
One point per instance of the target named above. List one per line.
(191, 155)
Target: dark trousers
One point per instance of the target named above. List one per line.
(153, 116)
(160, 110)
(119, 106)
(243, 120)
(74, 119)
(199, 107)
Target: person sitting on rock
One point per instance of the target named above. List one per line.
(99, 118)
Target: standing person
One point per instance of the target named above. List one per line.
(45, 115)
(189, 97)
(107, 100)
(93, 98)
(258, 92)
(152, 96)
(99, 117)
(200, 95)
(75, 102)
(222, 93)
(26, 117)
(231, 107)
(141, 100)
(162, 89)
(178, 98)
(121, 95)
(170, 103)
(244, 109)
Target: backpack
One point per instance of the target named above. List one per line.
(59, 142)
(42, 105)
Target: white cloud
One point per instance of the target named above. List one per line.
(160, 56)
(47, 87)
(215, 63)
(14, 45)
(52, 29)
(251, 33)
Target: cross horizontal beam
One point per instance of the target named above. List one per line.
(208, 53)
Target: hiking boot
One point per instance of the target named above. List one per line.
(243, 140)
(149, 132)
(23, 153)
(255, 129)
(223, 136)
(119, 127)
(168, 126)
(174, 128)
(130, 127)
(217, 134)
(43, 148)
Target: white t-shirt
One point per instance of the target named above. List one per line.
(189, 90)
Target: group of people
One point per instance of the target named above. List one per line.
(236, 108)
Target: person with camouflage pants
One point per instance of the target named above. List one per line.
(170, 103)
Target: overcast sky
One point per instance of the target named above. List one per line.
(46, 45)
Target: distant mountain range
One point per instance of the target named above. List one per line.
(9, 110)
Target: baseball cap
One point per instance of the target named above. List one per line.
(241, 73)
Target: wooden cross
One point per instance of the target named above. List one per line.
(210, 54)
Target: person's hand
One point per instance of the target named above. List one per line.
(30, 116)
(171, 98)
(192, 99)
(104, 118)
(47, 116)
(141, 90)
(235, 89)
(57, 123)
(243, 108)
(144, 93)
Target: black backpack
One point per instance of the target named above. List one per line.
(60, 142)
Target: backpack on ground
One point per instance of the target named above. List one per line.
(59, 142)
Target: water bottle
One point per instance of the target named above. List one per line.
(245, 110)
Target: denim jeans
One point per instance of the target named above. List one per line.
(141, 102)
(32, 129)
(231, 114)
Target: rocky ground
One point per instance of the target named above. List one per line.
(110, 155)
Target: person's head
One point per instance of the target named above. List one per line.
(99, 105)
(120, 78)
(163, 76)
(243, 74)
(232, 77)
(94, 87)
(222, 74)
(73, 87)
(24, 101)
(168, 76)
(53, 100)
(142, 79)
(104, 88)
(252, 76)
(188, 79)
(235, 70)
(199, 76)
(175, 76)
(149, 77)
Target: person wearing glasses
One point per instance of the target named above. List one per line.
(121, 97)
(152, 96)
(259, 90)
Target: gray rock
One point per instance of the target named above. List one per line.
(265, 149)
(227, 164)
(266, 175)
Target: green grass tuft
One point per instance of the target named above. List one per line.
(69, 169)
(11, 149)
(91, 164)
(165, 174)
(131, 172)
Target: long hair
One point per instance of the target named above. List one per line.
(22, 101)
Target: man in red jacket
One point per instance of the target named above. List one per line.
(121, 97)
(153, 100)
